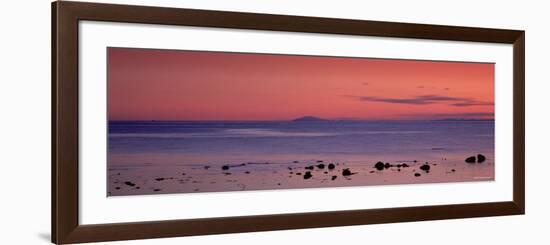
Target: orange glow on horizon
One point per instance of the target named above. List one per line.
(145, 84)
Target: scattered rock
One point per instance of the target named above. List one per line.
(320, 161)
(387, 165)
(227, 173)
(128, 183)
(331, 166)
(309, 167)
(416, 175)
(298, 173)
(415, 161)
(289, 168)
(321, 166)
(425, 167)
(334, 177)
(404, 165)
(471, 159)
(159, 179)
(206, 167)
(225, 167)
(379, 166)
(247, 172)
(453, 170)
(307, 175)
(156, 190)
(372, 171)
(480, 158)
(295, 162)
(118, 188)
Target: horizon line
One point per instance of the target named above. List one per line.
(292, 120)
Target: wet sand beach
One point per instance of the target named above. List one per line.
(151, 179)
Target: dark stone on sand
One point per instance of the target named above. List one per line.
(334, 177)
(416, 175)
(320, 161)
(295, 162)
(425, 167)
(309, 167)
(156, 190)
(346, 172)
(182, 173)
(453, 170)
(206, 167)
(118, 188)
(137, 187)
(159, 179)
(307, 175)
(415, 161)
(398, 170)
(227, 173)
(331, 166)
(471, 159)
(321, 166)
(326, 172)
(128, 183)
(289, 168)
(298, 173)
(225, 167)
(404, 165)
(480, 158)
(371, 172)
(387, 165)
(278, 183)
(379, 165)
(247, 172)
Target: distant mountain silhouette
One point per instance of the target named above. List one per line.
(309, 119)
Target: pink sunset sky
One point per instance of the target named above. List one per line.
(147, 84)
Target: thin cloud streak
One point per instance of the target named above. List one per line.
(425, 100)
(466, 115)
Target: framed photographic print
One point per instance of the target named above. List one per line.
(175, 122)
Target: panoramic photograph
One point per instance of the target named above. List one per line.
(202, 121)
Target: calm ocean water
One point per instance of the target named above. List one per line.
(182, 157)
(232, 142)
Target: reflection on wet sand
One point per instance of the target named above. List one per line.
(151, 179)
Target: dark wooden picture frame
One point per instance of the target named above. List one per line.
(65, 122)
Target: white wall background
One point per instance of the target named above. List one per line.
(25, 121)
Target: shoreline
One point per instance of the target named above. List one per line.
(257, 176)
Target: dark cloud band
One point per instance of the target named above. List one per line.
(427, 99)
